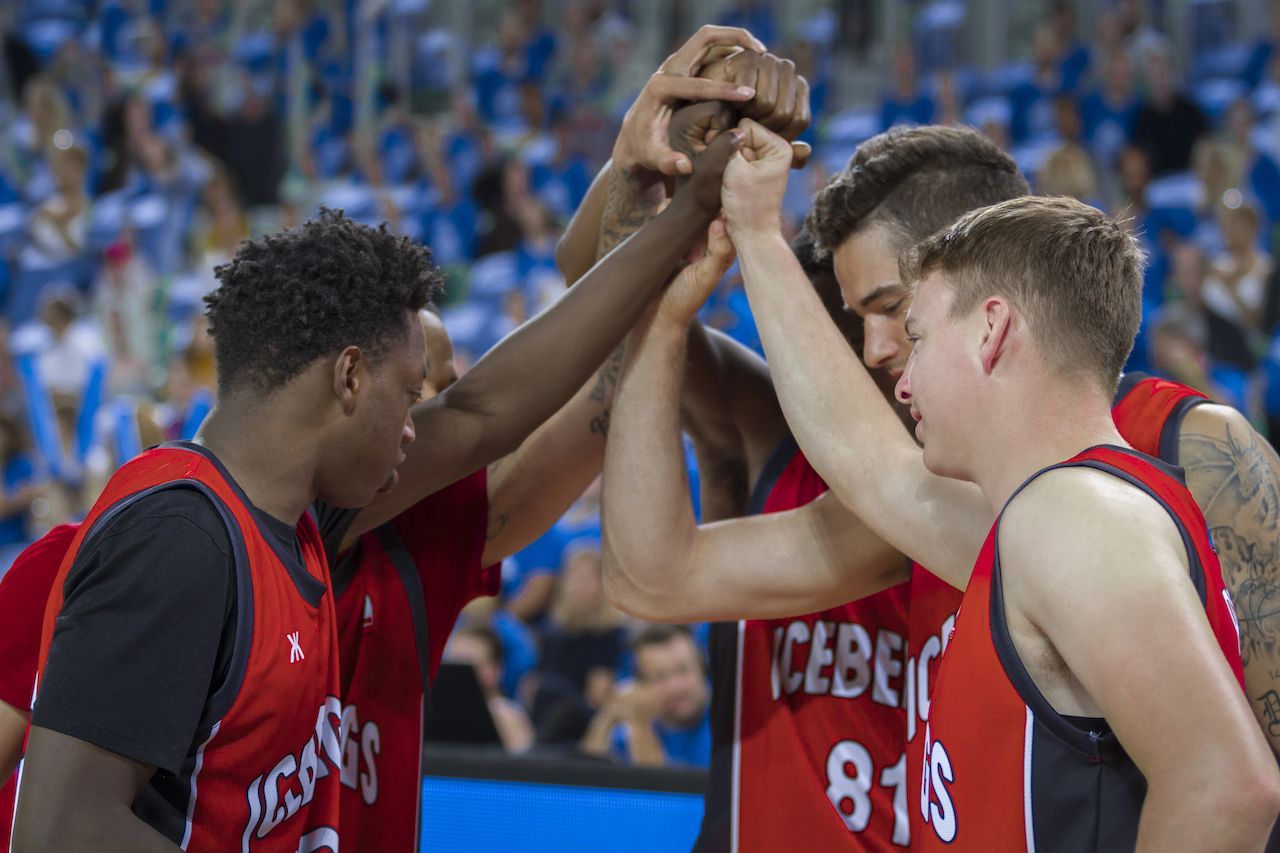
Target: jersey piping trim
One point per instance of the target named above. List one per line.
(1087, 742)
(778, 462)
(1028, 813)
(407, 569)
(736, 790)
(195, 773)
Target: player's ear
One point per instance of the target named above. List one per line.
(347, 377)
(997, 320)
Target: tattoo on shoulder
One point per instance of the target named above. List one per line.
(1235, 478)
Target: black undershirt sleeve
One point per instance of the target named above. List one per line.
(145, 631)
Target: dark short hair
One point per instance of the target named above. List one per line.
(913, 181)
(292, 297)
(1074, 273)
(659, 634)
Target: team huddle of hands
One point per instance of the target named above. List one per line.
(717, 124)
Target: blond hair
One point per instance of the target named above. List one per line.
(1074, 273)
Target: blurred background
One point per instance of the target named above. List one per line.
(141, 140)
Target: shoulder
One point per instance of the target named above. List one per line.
(1215, 422)
(1081, 516)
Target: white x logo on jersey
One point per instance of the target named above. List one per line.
(295, 649)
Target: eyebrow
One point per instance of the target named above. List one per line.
(882, 290)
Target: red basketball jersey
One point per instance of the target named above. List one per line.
(413, 577)
(263, 771)
(24, 591)
(816, 729)
(1001, 770)
(1149, 412)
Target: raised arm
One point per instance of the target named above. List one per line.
(1234, 475)
(658, 563)
(847, 430)
(1100, 570)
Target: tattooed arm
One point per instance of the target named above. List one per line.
(1234, 475)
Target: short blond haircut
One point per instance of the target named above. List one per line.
(1074, 273)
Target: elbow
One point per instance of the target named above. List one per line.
(1246, 798)
(626, 590)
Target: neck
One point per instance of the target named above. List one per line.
(1039, 430)
(273, 459)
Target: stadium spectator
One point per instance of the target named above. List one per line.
(663, 718)
(61, 222)
(906, 102)
(1168, 122)
(482, 649)
(582, 643)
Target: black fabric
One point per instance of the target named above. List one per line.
(407, 570)
(144, 635)
(1171, 432)
(717, 812)
(715, 835)
(1168, 135)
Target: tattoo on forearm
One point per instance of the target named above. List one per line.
(600, 424)
(1235, 480)
(495, 526)
(630, 203)
(607, 376)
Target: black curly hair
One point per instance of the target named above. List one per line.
(291, 297)
(913, 181)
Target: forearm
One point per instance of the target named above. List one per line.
(846, 428)
(577, 250)
(596, 740)
(532, 487)
(13, 727)
(647, 519)
(643, 744)
(523, 380)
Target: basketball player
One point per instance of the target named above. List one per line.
(104, 763)
(1033, 316)
(899, 187)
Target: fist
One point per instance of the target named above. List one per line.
(781, 101)
(755, 180)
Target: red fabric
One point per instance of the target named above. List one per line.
(1142, 413)
(24, 589)
(268, 775)
(932, 614)
(381, 680)
(978, 732)
(820, 722)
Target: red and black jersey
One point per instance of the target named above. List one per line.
(409, 580)
(262, 774)
(1148, 412)
(1001, 770)
(24, 590)
(807, 720)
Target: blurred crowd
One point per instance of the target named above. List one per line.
(142, 140)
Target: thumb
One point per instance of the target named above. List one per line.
(719, 247)
(713, 161)
(800, 152)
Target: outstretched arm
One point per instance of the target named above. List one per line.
(535, 370)
(658, 563)
(840, 419)
(1234, 475)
